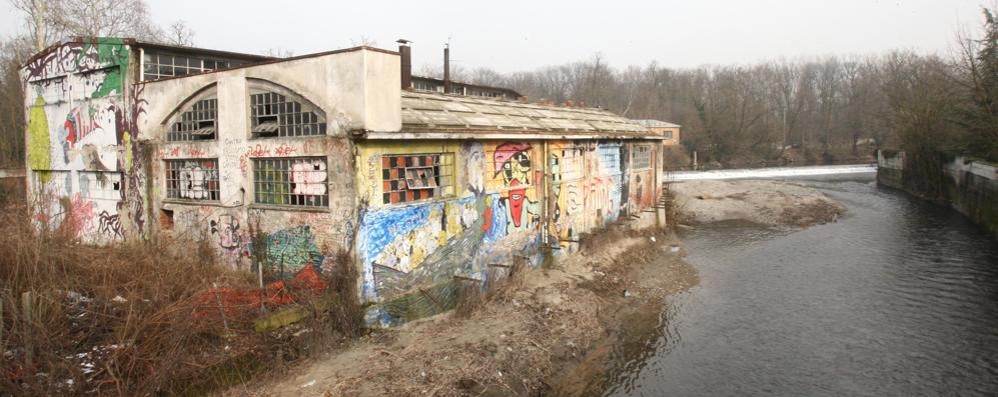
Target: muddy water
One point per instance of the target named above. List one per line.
(899, 297)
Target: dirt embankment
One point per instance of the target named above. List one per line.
(760, 201)
(547, 331)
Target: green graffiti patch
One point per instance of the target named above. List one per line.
(114, 55)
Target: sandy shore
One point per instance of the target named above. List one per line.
(760, 201)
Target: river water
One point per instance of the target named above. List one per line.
(899, 297)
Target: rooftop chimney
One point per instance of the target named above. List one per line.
(447, 68)
(405, 52)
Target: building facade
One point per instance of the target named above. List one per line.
(668, 131)
(286, 163)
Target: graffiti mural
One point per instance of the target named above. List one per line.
(197, 180)
(512, 165)
(109, 225)
(567, 167)
(290, 250)
(308, 178)
(78, 123)
(227, 230)
(473, 155)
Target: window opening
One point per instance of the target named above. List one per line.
(274, 115)
(415, 177)
(291, 181)
(197, 123)
(195, 179)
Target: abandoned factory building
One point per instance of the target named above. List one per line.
(323, 154)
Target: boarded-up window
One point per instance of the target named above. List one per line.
(415, 177)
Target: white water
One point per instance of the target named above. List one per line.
(775, 172)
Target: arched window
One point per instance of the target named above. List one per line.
(275, 111)
(199, 119)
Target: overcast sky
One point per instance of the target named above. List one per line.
(511, 35)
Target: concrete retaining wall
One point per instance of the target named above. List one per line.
(971, 187)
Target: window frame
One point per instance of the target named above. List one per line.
(397, 178)
(291, 114)
(174, 193)
(635, 149)
(191, 107)
(287, 185)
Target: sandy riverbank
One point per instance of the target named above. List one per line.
(777, 203)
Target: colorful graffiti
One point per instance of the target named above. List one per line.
(512, 165)
(290, 250)
(106, 58)
(78, 122)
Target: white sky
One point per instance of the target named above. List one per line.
(511, 35)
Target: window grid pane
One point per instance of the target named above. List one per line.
(415, 177)
(157, 66)
(196, 124)
(291, 181)
(272, 114)
(641, 157)
(192, 179)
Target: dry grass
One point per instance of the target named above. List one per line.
(120, 320)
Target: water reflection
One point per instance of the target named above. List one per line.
(898, 297)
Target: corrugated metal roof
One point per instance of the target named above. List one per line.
(439, 113)
(656, 124)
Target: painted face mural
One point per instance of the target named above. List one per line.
(512, 160)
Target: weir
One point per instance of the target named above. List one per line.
(775, 172)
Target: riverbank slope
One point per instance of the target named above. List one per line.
(553, 330)
(546, 330)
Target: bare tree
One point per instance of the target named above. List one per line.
(113, 18)
(277, 52)
(180, 34)
(39, 19)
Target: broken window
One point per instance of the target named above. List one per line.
(273, 114)
(100, 185)
(196, 124)
(641, 157)
(415, 177)
(301, 181)
(192, 179)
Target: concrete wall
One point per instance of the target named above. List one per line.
(971, 187)
(501, 199)
(890, 168)
(973, 190)
(83, 162)
(356, 90)
(664, 131)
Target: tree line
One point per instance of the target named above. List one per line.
(802, 110)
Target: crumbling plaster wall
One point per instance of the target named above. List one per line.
(502, 201)
(84, 167)
(355, 93)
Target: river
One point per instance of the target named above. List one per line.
(899, 297)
